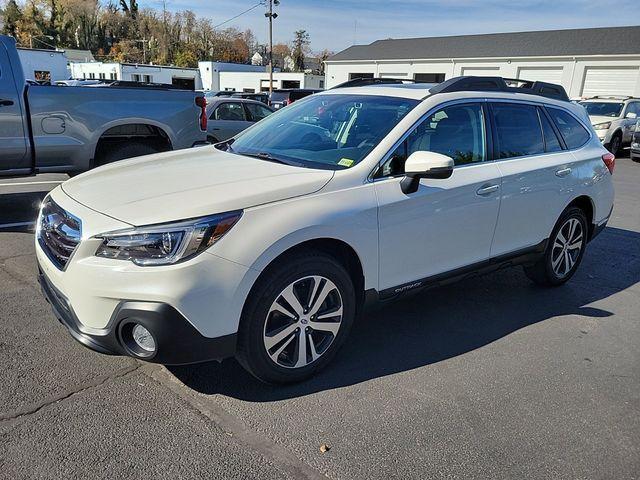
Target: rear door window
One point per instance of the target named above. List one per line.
(229, 111)
(574, 134)
(257, 112)
(518, 130)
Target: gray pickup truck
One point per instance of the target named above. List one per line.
(73, 129)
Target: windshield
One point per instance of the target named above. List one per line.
(604, 109)
(324, 131)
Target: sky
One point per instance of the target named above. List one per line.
(337, 25)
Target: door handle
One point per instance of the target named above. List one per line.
(5, 103)
(563, 172)
(215, 129)
(487, 189)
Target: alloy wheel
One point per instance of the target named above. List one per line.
(567, 247)
(303, 322)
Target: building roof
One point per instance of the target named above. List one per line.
(78, 56)
(585, 41)
(42, 50)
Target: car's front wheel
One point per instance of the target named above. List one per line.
(564, 251)
(615, 144)
(296, 318)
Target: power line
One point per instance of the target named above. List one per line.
(240, 14)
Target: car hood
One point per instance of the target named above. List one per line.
(596, 119)
(189, 183)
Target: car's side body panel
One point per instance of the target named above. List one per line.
(444, 225)
(267, 231)
(69, 121)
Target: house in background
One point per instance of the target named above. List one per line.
(257, 59)
(587, 62)
(43, 65)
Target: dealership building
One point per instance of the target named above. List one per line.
(587, 62)
(253, 78)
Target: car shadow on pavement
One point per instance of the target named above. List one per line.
(442, 323)
(19, 208)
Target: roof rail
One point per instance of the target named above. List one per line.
(612, 97)
(500, 84)
(363, 82)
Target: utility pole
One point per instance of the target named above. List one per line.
(271, 16)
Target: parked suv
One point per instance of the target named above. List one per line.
(614, 120)
(635, 144)
(268, 245)
(228, 116)
(286, 96)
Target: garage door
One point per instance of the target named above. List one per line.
(541, 74)
(610, 81)
(481, 71)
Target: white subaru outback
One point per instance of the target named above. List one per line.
(267, 246)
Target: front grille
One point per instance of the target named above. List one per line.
(59, 233)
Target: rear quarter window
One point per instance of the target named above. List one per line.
(574, 134)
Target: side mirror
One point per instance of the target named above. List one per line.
(425, 165)
(631, 116)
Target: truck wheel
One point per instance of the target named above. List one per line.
(564, 251)
(296, 318)
(615, 144)
(126, 150)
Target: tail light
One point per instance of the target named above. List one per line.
(609, 160)
(202, 103)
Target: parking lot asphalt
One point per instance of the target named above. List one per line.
(489, 378)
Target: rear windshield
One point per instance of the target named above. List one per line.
(324, 131)
(279, 96)
(603, 109)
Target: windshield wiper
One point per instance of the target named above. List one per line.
(264, 156)
(226, 146)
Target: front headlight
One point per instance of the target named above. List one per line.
(166, 243)
(602, 126)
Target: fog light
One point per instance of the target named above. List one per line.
(143, 338)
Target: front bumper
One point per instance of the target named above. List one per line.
(178, 342)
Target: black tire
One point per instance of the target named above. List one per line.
(126, 150)
(634, 157)
(543, 272)
(615, 144)
(212, 140)
(252, 351)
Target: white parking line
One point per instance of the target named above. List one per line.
(19, 224)
(30, 183)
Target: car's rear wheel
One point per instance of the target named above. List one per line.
(564, 251)
(296, 318)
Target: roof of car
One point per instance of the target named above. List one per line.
(420, 91)
(216, 100)
(417, 91)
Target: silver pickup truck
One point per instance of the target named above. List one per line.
(73, 129)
